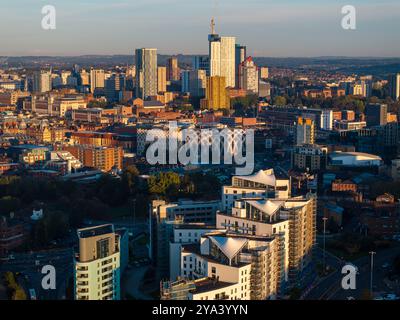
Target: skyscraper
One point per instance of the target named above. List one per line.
(376, 114)
(185, 81)
(96, 79)
(264, 72)
(216, 94)
(113, 87)
(305, 131)
(162, 79)
(228, 60)
(197, 83)
(222, 56)
(248, 76)
(240, 56)
(146, 73)
(97, 265)
(201, 63)
(172, 69)
(42, 81)
(394, 86)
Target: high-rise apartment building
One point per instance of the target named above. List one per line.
(229, 266)
(114, 85)
(222, 55)
(97, 79)
(97, 265)
(201, 63)
(248, 76)
(293, 220)
(216, 94)
(197, 83)
(362, 88)
(263, 184)
(162, 79)
(41, 81)
(228, 60)
(376, 114)
(309, 157)
(84, 78)
(146, 73)
(264, 73)
(173, 69)
(394, 86)
(185, 81)
(304, 131)
(240, 56)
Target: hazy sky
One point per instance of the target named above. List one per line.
(274, 28)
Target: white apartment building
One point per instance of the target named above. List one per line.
(97, 79)
(222, 54)
(242, 267)
(292, 220)
(97, 265)
(184, 234)
(262, 184)
(41, 81)
(394, 86)
(248, 76)
(258, 217)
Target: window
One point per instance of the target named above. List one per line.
(102, 248)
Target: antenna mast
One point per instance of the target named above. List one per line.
(212, 26)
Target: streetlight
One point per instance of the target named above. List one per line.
(372, 253)
(324, 219)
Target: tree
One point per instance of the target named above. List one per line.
(280, 101)
(163, 182)
(129, 179)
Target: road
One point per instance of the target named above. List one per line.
(29, 265)
(131, 282)
(330, 287)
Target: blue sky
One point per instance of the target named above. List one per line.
(273, 28)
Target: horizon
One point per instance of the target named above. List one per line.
(194, 54)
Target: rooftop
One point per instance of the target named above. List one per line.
(95, 231)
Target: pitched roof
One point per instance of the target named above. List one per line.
(229, 246)
(267, 206)
(261, 177)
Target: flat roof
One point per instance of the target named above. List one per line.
(95, 231)
(205, 285)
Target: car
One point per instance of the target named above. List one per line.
(386, 265)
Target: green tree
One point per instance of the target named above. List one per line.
(280, 101)
(129, 179)
(163, 182)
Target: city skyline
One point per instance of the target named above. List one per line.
(102, 28)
